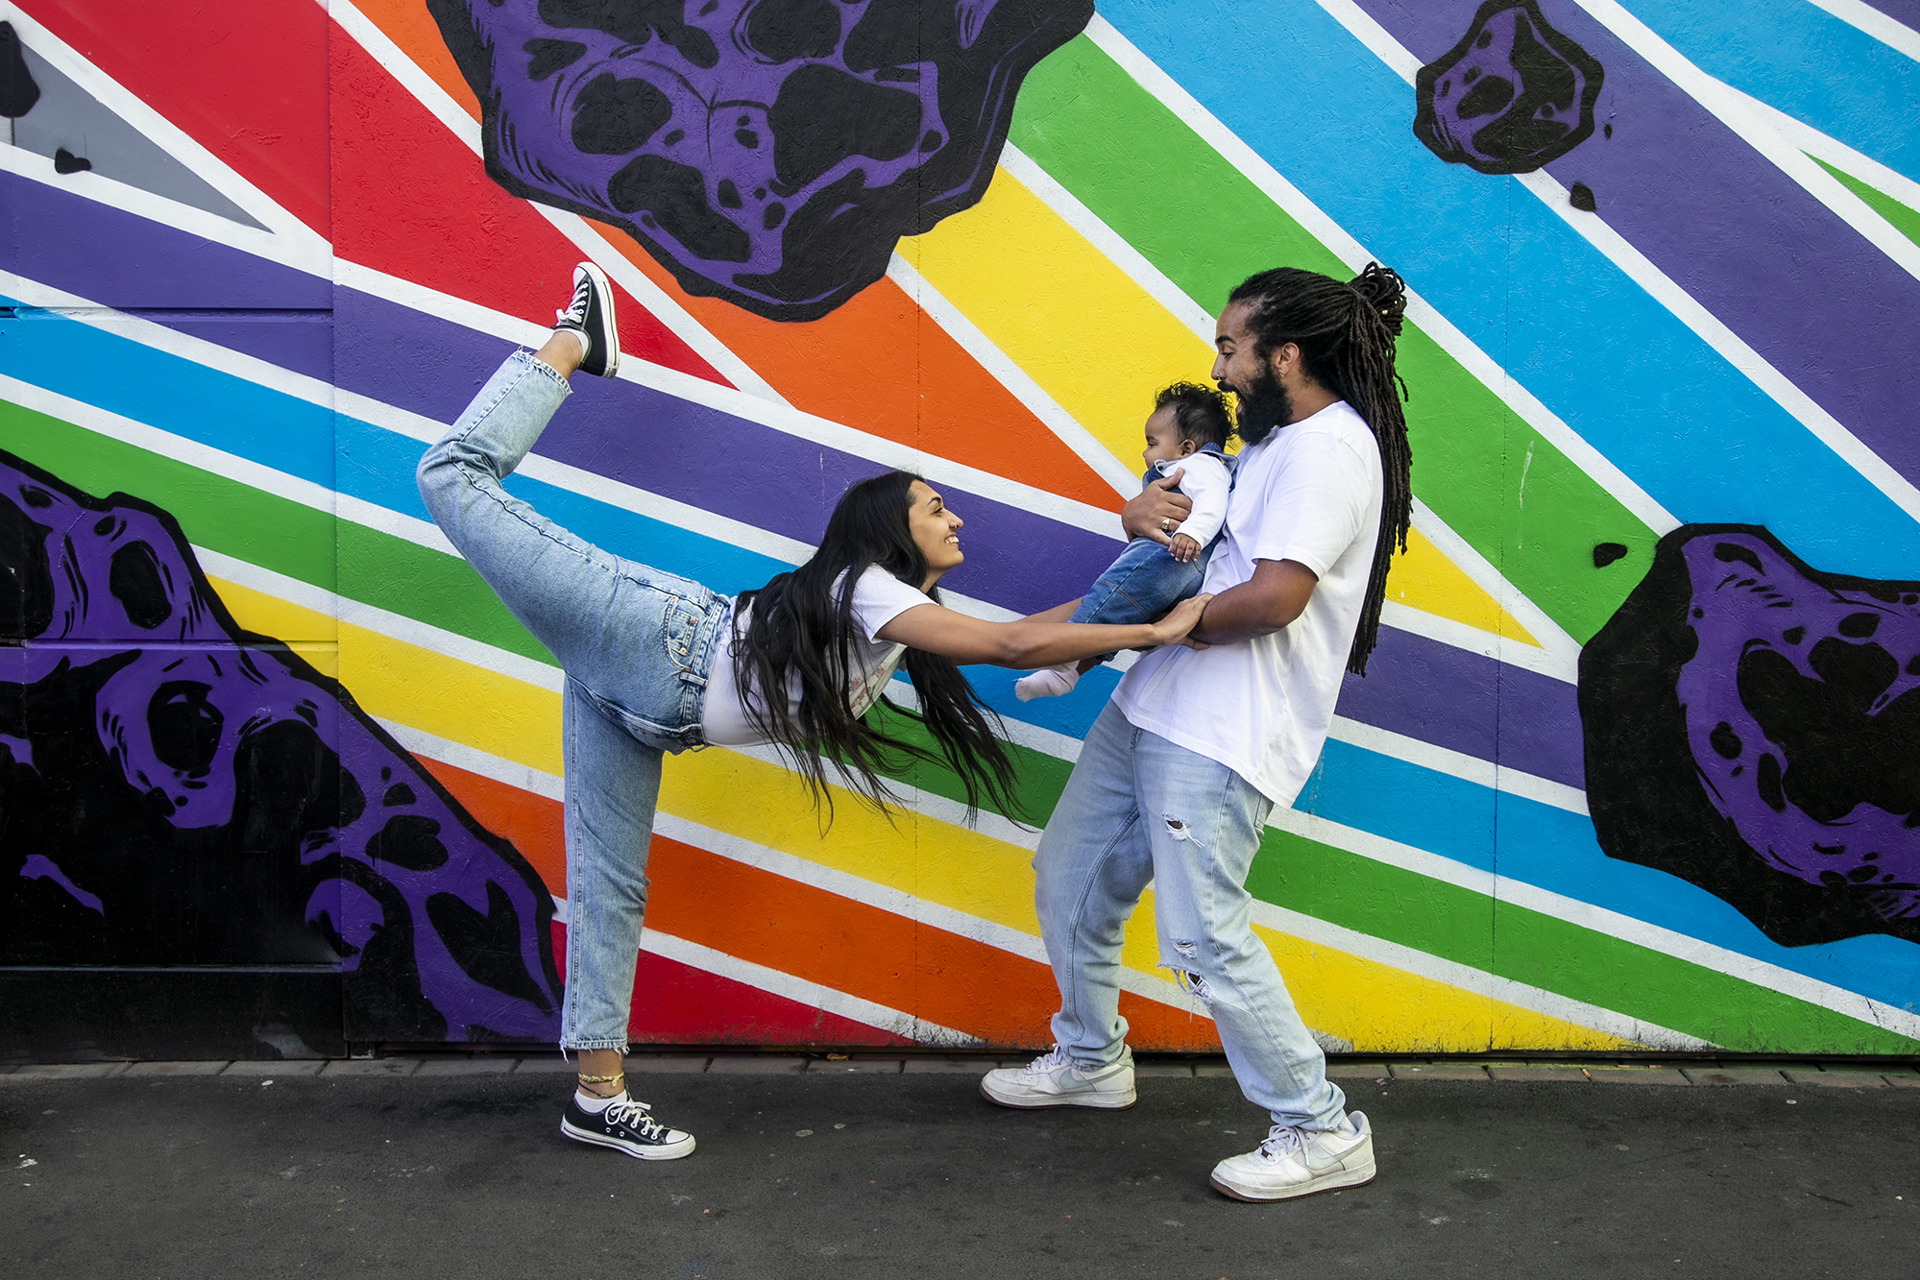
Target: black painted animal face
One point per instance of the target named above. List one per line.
(770, 152)
(1754, 725)
(1513, 95)
(176, 791)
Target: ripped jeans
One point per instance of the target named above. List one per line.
(1140, 810)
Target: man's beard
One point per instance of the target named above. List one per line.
(1262, 407)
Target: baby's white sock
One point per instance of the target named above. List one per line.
(1048, 682)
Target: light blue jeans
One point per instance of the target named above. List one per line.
(1140, 810)
(636, 645)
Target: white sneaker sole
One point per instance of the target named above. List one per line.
(1325, 1182)
(1029, 1101)
(674, 1152)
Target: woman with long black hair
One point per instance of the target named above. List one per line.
(656, 663)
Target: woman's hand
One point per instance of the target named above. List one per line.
(1179, 620)
(1156, 511)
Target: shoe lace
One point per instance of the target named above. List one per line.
(1282, 1141)
(1051, 1060)
(635, 1116)
(576, 312)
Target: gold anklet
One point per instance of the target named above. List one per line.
(616, 1076)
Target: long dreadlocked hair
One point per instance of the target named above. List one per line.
(1346, 335)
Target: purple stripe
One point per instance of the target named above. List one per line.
(1803, 289)
(182, 281)
(698, 455)
(1903, 11)
(1470, 704)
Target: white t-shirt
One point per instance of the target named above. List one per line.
(878, 598)
(1205, 480)
(1311, 493)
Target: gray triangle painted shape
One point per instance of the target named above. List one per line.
(69, 118)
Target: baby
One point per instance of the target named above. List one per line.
(1186, 433)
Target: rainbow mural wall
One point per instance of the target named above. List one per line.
(1636, 764)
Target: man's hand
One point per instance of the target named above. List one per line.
(1183, 548)
(1155, 512)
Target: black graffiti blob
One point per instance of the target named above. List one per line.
(768, 152)
(176, 791)
(1511, 96)
(18, 92)
(1752, 725)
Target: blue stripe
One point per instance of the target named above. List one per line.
(1553, 849)
(1803, 61)
(1600, 352)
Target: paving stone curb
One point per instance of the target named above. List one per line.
(1835, 1075)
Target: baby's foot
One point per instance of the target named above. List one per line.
(1048, 682)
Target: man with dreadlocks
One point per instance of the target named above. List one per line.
(1176, 779)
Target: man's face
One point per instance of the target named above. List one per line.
(1261, 403)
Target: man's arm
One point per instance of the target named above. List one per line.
(1276, 594)
(1147, 511)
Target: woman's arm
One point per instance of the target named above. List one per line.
(1032, 642)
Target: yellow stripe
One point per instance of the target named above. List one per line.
(1100, 346)
(1377, 1007)
(1423, 578)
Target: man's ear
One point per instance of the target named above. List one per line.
(1287, 353)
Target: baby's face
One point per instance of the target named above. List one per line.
(1163, 438)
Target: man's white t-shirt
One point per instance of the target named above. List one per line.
(1310, 492)
(878, 598)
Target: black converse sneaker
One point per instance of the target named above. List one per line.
(625, 1126)
(590, 315)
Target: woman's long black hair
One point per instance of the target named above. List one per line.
(1346, 335)
(800, 631)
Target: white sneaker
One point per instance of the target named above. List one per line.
(1052, 1080)
(1048, 682)
(1299, 1162)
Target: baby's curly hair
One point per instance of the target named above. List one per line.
(1200, 414)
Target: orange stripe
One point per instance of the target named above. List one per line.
(822, 937)
(876, 955)
(532, 822)
(880, 364)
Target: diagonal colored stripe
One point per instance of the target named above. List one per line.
(1812, 65)
(1096, 130)
(1905, 218)
(1023, 276)
(1601, 364)
(1541, 950)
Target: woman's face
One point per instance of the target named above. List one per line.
(936, 530)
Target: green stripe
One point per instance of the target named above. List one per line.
(1513, 496)
(1905, 220)
(274, 533)
(1452, 923)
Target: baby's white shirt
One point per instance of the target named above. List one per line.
(1207, 483)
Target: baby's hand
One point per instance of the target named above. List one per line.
(1183, 548)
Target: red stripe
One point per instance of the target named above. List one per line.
(412, 201)
(247, 79)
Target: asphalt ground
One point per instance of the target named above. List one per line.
(861, 1168)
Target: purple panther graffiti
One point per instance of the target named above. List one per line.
(1753, 725)
(176, 791)
(1511, 96)
(769, 152)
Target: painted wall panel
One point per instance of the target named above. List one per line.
(277, 758)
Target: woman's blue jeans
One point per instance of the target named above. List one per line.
(636, 645)
(1141, 810)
